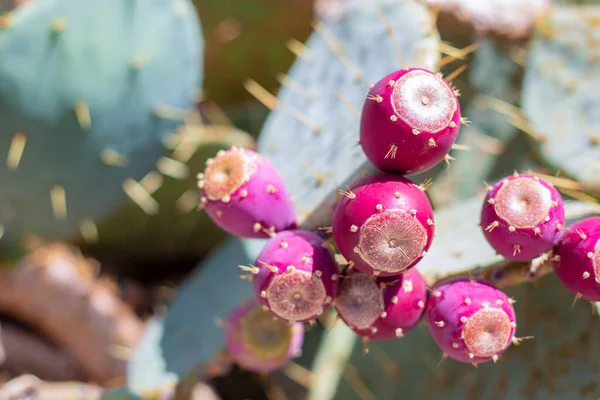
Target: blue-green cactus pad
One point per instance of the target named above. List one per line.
(124, 59)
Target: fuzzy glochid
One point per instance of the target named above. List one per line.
(409, 121)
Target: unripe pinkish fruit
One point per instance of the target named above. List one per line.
(577, 258)
(522, 216)
(296, 276)
(383, 225)
(381, 308)
(244, 194)
(258, 342)
(409, 122)
(471, 321)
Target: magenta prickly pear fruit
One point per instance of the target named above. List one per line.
(258, 342)
(244, 194)
(296, 276)
(577, 258)
(383, 225)
(381, 308)
(471, 321)
(522, 216)
(410, 120)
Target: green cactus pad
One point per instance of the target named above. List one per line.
(460, 249)
(82, 87)
(188, 336)
(311, 137)
(560, 92)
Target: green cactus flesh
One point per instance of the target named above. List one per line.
(81, 89)
(311, 137)
(560, 92)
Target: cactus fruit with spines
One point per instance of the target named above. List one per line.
(329, 78)
(80, 132)
(576, 259)
(245, 195)
(382, 308)
(383, 224)
(471, 321)
(295, 276)
(409, 121)
(522, 216)
(258, 342)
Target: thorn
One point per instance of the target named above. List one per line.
(377, 98)
(456, 73)
(432, 143)
(517, 341)
(426, 184)
(287, 81)
(577, 297)
(261, 94)
(464, 121)
(365, 340)
(516, 249)
(254, 270)
(82, 112)
(492, 226)
(299, 49)
(89, 231)
(271, 268)
(448, 158)
(173, 168)
(390, 31)
(586, 275)
(58, 201)
(138, 194)
(348, 193)
(15, 152)
(113, 158)
(336, 48)
(391, 152)
(187, 202)
(442, 359)
(460, 147)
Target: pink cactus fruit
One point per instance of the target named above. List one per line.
(522, 216)
(471, 321)
(296, 276)
(381, 308)
(410, 120)
(244, 194)
(576, 258)
(258, 342)
(383, 225)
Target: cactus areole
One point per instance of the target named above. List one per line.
(409, 122)
(381, 308)
(258, 342)
(577, 258)
(471, 321)
(296, 276)
(383, 225)
(522, 216)
(245, 195)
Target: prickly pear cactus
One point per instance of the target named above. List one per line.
(559, 92)
(79, 132)
(185, 231)
(311, 137)
(494, 76)
(460, 248)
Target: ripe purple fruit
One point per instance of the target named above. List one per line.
(577, 258)
(258, 342)
(381, 308)
(296, 276)
(522, 216)
(409, 122)
(245, 195)
(383, 225)
(471, 321)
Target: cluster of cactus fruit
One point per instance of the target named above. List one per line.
(382, 226)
